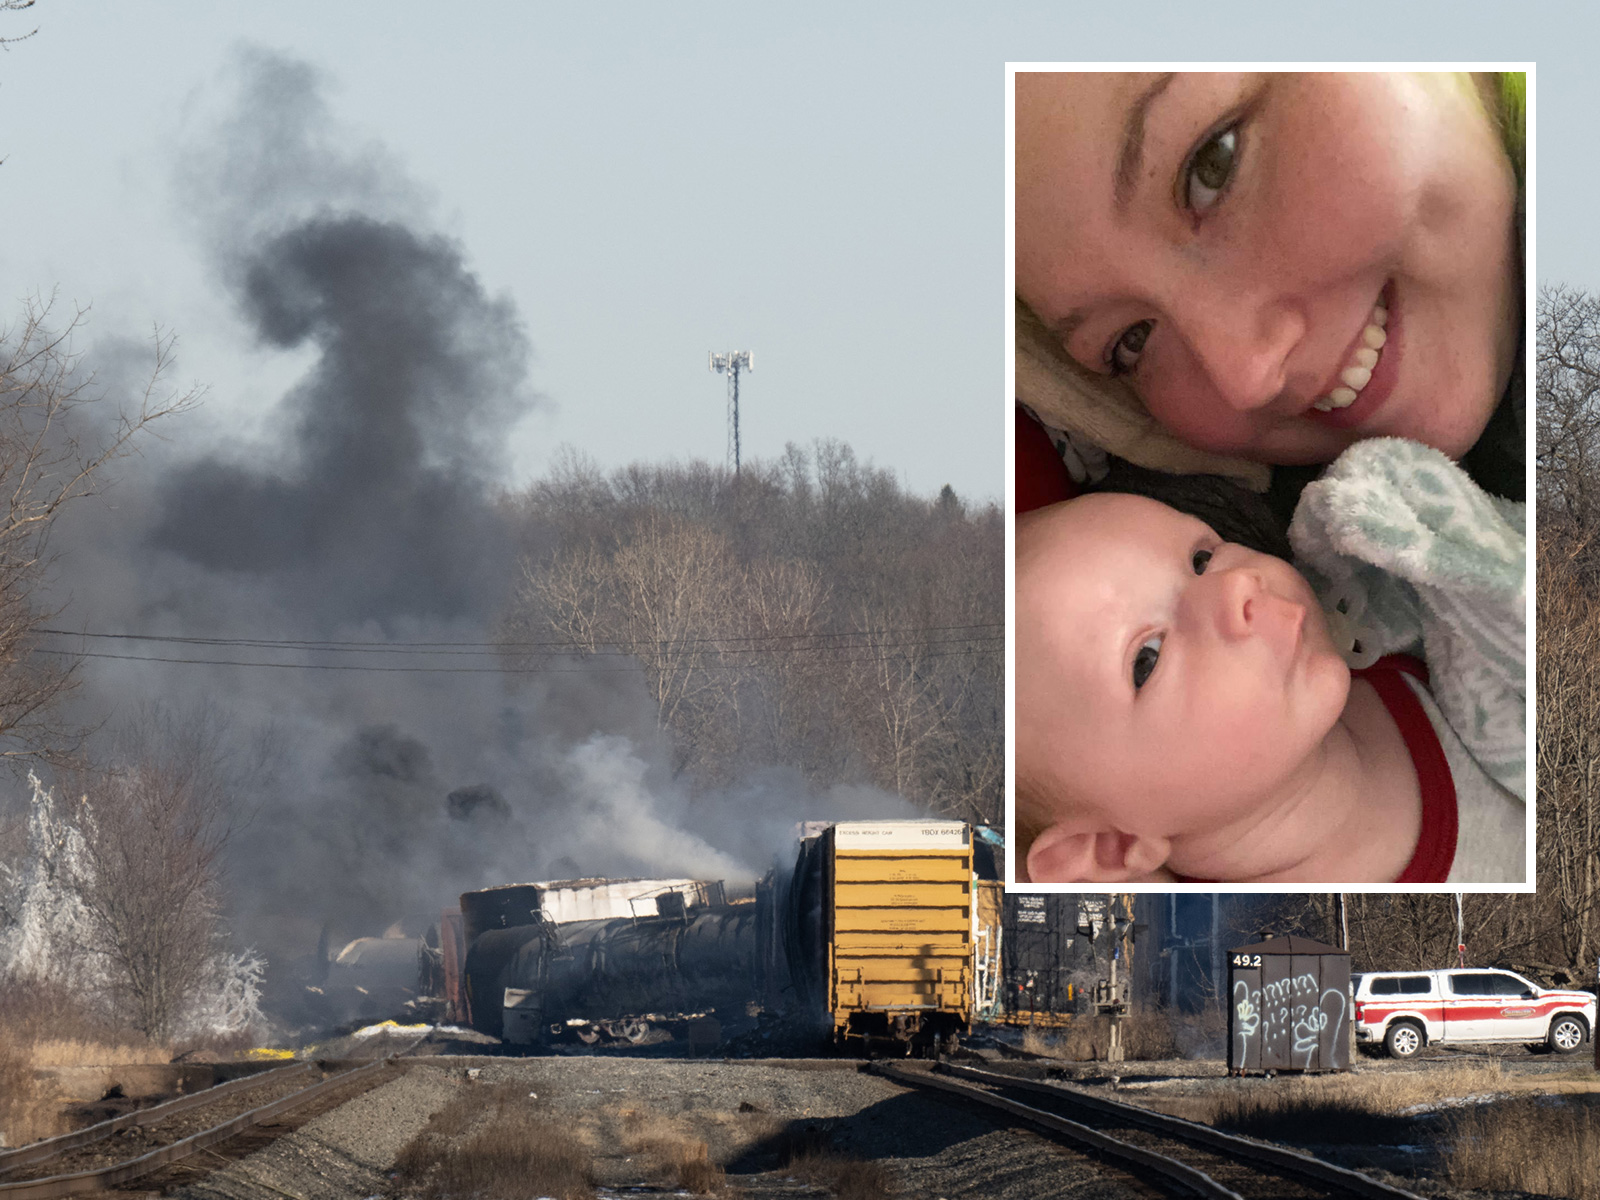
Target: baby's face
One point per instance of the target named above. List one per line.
(1168, 679)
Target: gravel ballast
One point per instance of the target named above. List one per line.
(752, 1116)
(344, 1153)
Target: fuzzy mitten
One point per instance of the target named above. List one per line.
(1403, 548)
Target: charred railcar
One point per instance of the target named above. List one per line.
(525, 981)
(1040, 956)
(894, 930)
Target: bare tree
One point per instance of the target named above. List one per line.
(810, 614)
(1567, 668)
(661, 591)
(154, 827)
(11, 6)
(1567, 419)
(782, 707)
(1567, 597)
(48, 459)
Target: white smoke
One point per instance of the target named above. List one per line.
(618, 822)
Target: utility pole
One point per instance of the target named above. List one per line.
(730, 364)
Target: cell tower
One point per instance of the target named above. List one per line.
(730, 364)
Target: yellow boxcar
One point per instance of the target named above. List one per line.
(899, 916)
(988, 940)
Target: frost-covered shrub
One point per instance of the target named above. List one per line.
(85, 907)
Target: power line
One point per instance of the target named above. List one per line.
(729, 643)
(504, 669)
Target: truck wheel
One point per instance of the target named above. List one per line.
(1566, 1035)
(1404, 1039)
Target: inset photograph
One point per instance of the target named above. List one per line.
(1270, 571)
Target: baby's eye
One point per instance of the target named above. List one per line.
(1145, 661)
(1125, 351)
(1200, 560)
(1209, 170)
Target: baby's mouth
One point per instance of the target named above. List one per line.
(1358, 371)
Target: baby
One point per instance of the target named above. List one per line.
(1182, 712)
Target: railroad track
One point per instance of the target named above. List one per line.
(97, 1158)
(1183, 1156)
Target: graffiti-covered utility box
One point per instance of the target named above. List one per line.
(1289, 1007)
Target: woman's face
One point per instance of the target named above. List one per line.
(1281, 264)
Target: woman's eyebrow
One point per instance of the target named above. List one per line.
(1131, 159)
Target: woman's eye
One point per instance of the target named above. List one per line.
(1126, 349)
(1145, 661)
(1209, 170)
(1201, 558)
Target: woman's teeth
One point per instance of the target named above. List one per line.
(1358, 372)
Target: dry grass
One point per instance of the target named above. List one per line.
(1145, 1036)
(492, 1143)
(665, 1150)
(1529, 1144)
(1368, 1107)
(846, 1178)
(29, 1107)
(1372, 1106)
(449, 1124)
(516, 1154)
(697, 1174)
(44, 1026)
(36, 1013)
(75, 1052)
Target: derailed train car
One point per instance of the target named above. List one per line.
(682, 951)
(894, 930)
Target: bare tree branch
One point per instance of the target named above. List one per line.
(48, 461)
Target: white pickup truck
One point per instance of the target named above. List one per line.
(1406, 1010)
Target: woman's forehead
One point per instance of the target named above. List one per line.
(1086, 144)
(1078, 122)
(1086, 98)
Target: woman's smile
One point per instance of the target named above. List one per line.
(1364, 356)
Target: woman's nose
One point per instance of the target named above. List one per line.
(1243, 343)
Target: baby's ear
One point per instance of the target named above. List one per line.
(1073, 852)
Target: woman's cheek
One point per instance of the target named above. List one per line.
(1338, 179)
(1180, 399)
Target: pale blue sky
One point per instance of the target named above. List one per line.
(650, 182)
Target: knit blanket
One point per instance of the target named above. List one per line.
(1407, 554)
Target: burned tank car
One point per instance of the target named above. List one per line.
(524, 980)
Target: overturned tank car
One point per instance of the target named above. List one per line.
(685, 953)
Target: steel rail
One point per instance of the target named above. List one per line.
(33, 1152)
(119, 1173)
(1181, 1174)
(1294, 1161)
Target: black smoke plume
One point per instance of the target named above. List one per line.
(381, 510)
(364, 509)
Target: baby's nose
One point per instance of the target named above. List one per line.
(1239, 601)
